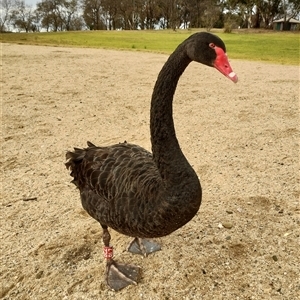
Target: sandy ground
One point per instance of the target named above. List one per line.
(241, 139)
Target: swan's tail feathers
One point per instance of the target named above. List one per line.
(74, 161)
(90, 144)
(76, 156)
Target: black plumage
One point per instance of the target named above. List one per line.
(132, 191)
(120, 186)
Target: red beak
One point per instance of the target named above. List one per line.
(222, 64)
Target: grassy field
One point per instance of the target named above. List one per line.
(268, 46)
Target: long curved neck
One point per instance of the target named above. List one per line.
(167, 154)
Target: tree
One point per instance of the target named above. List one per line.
(68, 14)
(6, 7)
(169, 10)
(128, 16)
(44, 10)
(288, 10)
(22, 17)
(92, 14)
(149, 14)
(257, 13)
(210, 14)
(51, 16)
(267, 11)
(246, 11)
(196, 10)
(59, 15)
(111, 10)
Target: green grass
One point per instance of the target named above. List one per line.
(267, 46)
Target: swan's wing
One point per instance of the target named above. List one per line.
(115, 182)
(106, 170)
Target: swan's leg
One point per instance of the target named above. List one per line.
(118, 276)
(143, 247)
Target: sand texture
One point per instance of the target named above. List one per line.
(242, 140)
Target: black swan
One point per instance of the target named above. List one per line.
(137, 193)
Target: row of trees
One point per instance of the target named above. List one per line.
(65, 15)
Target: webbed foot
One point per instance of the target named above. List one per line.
(119, 276)
(143, 247)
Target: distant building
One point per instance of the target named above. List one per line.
(292, 24)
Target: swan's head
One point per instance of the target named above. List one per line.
(210, 50)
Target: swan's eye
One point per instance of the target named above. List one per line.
(212, 45)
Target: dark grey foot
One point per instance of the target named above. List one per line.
(119, 276)
(143, 247)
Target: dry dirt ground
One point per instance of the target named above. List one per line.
(241, 139)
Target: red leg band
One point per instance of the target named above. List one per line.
(108, 252)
